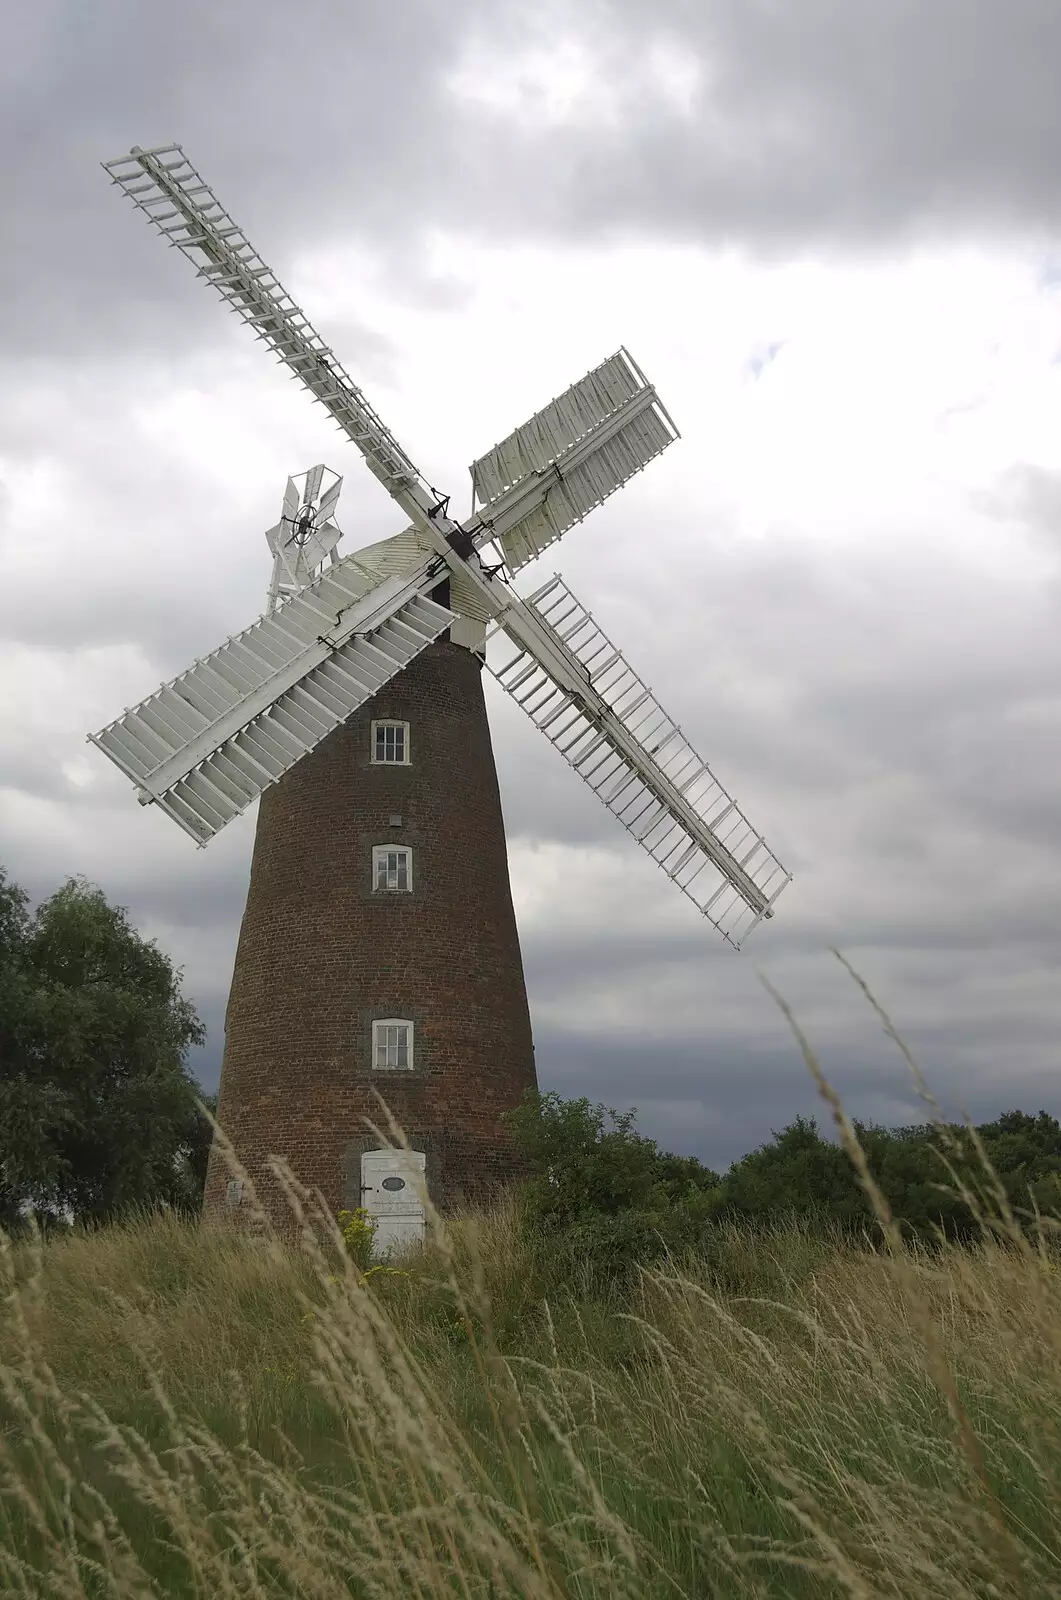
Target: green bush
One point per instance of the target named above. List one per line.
(611, 1199)
(606, 1194)
(588, 1160)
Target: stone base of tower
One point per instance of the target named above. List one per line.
(325, 954)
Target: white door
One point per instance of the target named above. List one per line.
(391, 1191)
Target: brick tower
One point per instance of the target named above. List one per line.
(379, 951)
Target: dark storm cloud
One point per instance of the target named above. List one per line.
(812, 125)
(721, 1102)
(717, 1083)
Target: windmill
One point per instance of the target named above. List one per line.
(378, 948)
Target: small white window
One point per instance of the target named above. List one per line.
(392, 868)
(392, 1045)
(390, 742)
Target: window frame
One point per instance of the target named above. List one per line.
(394, 1022)
(388, 722)
(381, 850)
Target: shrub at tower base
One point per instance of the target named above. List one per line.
(98, 1110)
(601, 1190)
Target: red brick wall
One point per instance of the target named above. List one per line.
(320, 954)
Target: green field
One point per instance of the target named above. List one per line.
(188, 1413)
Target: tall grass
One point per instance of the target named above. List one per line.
(187, 1414)
(784, 1413)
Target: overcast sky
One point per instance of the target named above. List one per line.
(829, 233)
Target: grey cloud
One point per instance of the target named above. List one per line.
(316, 121)
(920, 807)
(718, 1102)
(824, 125)
(886, 720)
(947, 682)
(1031, 496)
(964, 1015)
(814, 126)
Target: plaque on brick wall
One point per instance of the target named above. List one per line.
(234, 1192)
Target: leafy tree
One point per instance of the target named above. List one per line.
(799, 1173)
(200, 1138)
(97, 1106)
(1025, 1151)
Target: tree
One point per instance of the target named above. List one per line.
(799, 1172)
(198, 1152)
(98, 1109)
(921, 1171)
(1025, 1151)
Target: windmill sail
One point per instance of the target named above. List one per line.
(556, 427)
(595, 710)
(204, 746)
(163, 184)
(553, 470)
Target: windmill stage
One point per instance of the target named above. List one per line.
(379, 950)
